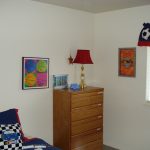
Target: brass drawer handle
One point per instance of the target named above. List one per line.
(76, 108)
(98, 129)
(99, 117)
(99, 104)
(99, 92)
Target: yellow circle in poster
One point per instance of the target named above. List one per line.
(30, 79)
(41, 66)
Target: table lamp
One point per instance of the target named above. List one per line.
(83, 57)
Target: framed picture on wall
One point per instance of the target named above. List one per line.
(35, 73)
(127, 62)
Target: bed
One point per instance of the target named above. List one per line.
(37, 143)
(12, 136)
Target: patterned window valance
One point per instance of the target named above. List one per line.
(144, 37)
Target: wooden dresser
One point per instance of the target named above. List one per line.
(78, 119)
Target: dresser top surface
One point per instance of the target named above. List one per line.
(87, 89)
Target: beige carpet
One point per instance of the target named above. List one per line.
(108, 148)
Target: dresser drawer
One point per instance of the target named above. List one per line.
(83, 139)
(96, 145)
(86, 99)
(81, 126)
(86, 112)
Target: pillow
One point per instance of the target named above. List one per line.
(10, 117)
(10, 137)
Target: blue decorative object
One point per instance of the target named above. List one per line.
(74, 86)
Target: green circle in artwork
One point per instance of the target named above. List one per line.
(41, 66)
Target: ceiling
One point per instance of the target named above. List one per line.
(97, 6)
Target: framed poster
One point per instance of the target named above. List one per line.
(127, 62)
(35, 73)
(60, 81)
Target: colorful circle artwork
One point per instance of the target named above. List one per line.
(30, 79)
(41, 66)
(35, 72)
(30, 65)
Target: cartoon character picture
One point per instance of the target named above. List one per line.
(127, 62)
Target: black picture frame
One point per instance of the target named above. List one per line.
(35, 73)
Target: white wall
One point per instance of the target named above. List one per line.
(126, 117)
(29, 28)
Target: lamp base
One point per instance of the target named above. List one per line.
(82, 78)
(82, 85)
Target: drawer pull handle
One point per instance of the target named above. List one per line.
(76, 108)
(98, 129)
(99, 117)
(100, 93)
(99, 104)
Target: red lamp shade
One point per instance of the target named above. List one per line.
(83, 57)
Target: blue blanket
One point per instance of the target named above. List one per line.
(37, 143)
